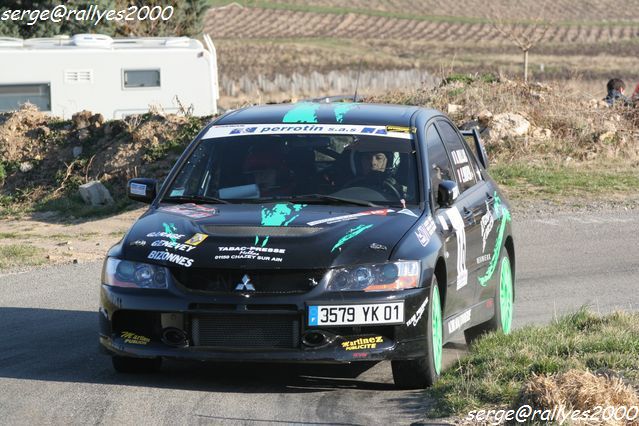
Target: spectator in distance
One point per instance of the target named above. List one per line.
(616, 89)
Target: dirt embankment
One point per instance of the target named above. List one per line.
(43, 158)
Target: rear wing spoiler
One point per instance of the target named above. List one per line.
(479, 146)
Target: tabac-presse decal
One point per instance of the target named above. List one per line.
(313, 233)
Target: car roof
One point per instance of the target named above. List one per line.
(349, 113)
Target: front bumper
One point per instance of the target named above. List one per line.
(132, 322)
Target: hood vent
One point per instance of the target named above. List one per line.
(260, 231)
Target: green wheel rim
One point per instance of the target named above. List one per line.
(506, 295)
(436, 321)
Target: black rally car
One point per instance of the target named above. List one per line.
(317, 233)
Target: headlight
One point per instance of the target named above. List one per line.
(124, 273)
(382, 277)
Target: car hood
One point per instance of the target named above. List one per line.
(266, 236)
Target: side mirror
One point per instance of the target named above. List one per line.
(142, 189)
(447, 193)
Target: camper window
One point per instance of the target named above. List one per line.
(14, 95)
(141, 78)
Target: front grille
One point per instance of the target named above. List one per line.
(244, 331)
(265, 281)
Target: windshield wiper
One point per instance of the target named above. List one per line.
(196, 199)
(314, 197)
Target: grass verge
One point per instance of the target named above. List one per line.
(497, 366)
(15, 255)
(526, 181)
(73, 207)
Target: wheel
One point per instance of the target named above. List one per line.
(504, 301)
(423, 372)
(123, 364)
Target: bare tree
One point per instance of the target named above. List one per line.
(524, 34)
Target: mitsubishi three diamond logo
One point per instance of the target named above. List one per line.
(245, 285)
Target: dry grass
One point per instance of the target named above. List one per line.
(582, 130)
(581, 360)
(577, 390)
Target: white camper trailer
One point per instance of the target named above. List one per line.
(115, 77)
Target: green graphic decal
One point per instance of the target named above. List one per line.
(279, 215)
(340, 110)
(352, 233)
(505, 218)
(302, 113)
(170, 228)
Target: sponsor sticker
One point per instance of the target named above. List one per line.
(169, 235)
(191, 210)
(138, 243)
(172, 245)
(302, 128)
(265, 254)
(456, 323)
(137, 188)
(136, 339)
(196, 239)
(484, 258)
(418, 314)
(362, 343)
(425, 231)
(459, 156)
(330, 220)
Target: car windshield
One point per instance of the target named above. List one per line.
(310, 168)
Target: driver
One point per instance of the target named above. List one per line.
(373, 162)
(374, 171)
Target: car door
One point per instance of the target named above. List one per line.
(452, 225)
(472, 200)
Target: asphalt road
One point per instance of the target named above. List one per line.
(51, 371)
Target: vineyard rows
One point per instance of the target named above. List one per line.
(253, 23)
(561, 10)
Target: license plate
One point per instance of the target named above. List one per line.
(379, 313)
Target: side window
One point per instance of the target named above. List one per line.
(469, 144)
(141, 78)
(461, 163)
(439, 166)
(12, 96)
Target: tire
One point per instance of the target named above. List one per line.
(423, 372)
(128, 365)
(504, 302)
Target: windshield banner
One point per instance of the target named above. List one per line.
(303, 129)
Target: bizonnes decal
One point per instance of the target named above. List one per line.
(330, 220)
(487, 222)
(457, 223)
(425, 231)
(456, 323)
(170, 257)
(266, 254)
(418, 314)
